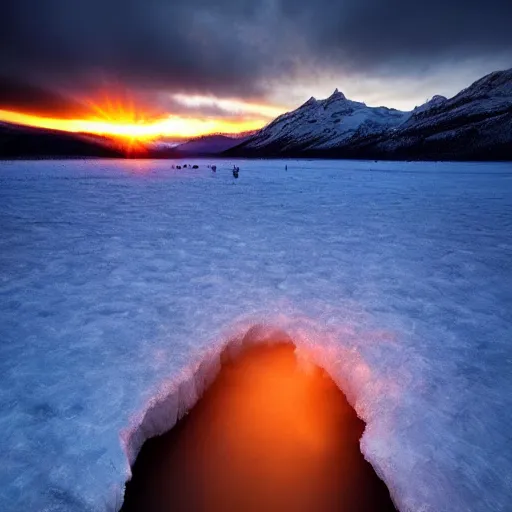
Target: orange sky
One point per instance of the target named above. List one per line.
(113, 119)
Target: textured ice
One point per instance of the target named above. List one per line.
(121, 281)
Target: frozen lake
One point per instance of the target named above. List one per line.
(117, 276)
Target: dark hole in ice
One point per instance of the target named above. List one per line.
(268, 435)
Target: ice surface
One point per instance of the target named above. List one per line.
(120, 281)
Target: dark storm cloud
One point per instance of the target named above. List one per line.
(407, 34)
(23, 96)
(236, 47)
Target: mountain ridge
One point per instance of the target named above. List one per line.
(476, 124)
(207, 145)
(17, 141)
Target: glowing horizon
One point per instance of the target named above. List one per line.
(172, 126)
(114, 119)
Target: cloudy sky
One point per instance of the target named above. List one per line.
(240, 62)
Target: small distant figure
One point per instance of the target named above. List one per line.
(214, 168)
(236, 170)
(173, 166)
(195, 167)
(286, 167)
(178, 167)
(185, 166)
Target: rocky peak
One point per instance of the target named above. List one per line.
(336, 95)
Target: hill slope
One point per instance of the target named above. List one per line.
(26, 142)
(208, 145)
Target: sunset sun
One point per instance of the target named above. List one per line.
(131, 125)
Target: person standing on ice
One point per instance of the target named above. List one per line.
(236, 170)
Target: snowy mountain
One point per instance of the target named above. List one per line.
(474, 124)
(434, 102)
(322, 124)
(209, 145)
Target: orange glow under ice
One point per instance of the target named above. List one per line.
(267, 436)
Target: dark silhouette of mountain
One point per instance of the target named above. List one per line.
(27, 142)
(209, 145)
(18, 141)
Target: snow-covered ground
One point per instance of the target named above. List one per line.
(116, 277)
